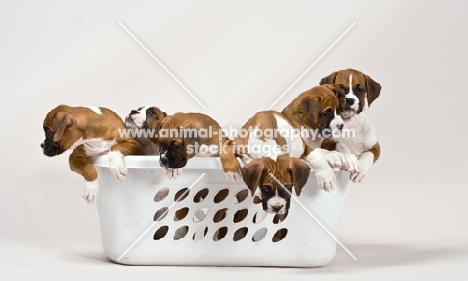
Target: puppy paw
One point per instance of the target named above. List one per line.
(172, 174)
(357, 177)
(233, 176)
(325, 179)
(351, 164)
(117, 165)
(335, 159)
(91, 191)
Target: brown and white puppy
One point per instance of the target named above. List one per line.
(141, 121)
(88, 132)
(361, 90)
(291, 172)
(185, 135)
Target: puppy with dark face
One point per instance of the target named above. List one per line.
(141, 121)
(186, 135)
(291, 172)
(361, 91)
(88, 132)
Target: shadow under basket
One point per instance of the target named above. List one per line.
(215, 223)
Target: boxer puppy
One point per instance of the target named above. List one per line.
(291, 172)
(88, 132)
(185, 135)
(361, 90)
(140, 121)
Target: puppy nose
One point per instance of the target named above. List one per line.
(42, 145)
(340, 127)
(133, 112)
(277, 208)
(349, 101)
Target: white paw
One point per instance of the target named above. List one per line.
(172, 174)
(117, 165)
(357, 177)
(335, 159)
(91, 191)
(233, 176)
(325, 179)
(351, 164)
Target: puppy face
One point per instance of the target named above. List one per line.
(320, 107)
(291, 172)
(176, 146)
(359, 88)
(57, 124)
(147, 117)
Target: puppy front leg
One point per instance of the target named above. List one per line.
(351, 163)
(335, 157)
(231, 166)
(78, 161)
(365, 162)
(323, 172)
(116, 156)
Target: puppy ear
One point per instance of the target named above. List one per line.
(330, 79)
(251, 174)
(308, 106)
(63, 120)
(300, 173)
(191, 135)
(373, 89)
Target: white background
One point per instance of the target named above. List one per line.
(407, 221)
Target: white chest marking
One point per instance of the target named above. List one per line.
(291, 135)
(95, 109)
(94, 146)
(362, 134)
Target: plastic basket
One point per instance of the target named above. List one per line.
(127, 209)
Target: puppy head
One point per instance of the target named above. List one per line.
(57, 124)
(319, 108)
(146, 117)
(178, 143)
(359, 88)
(291, 172)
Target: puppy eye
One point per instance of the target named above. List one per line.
(360, 90)
(266, 189)
(288, 187)
(150, 112)
(326, 114)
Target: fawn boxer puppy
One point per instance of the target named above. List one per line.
(360, 90)
(88, 131)
(185, 135)
(140, 121)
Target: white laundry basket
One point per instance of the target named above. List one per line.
(127, 209)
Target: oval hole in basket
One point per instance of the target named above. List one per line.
(240, 233)
(220, 215)
(161, 232)
(220, 233)
(257, 200)
(279, 218)
(200, 233)
(181, 194)
(181, 232)
(259, 216)
(241, 196)
(240, 215)
(181, 214)
(162, 194)
(259, 234)
(280, 235)
(201, 195)
(160, 214)
(200, 214)
(221, 195)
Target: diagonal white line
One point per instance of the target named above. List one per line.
(161, 216)
(312, 215)
(162, 65)
(313, 64)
